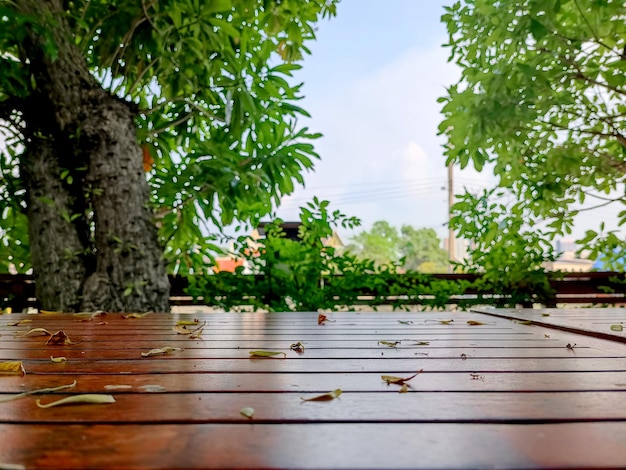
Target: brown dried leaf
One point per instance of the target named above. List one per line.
(12, 368)
(88, 398)
(474, 322)
(256, 354)
(60, 338)
(163, 350)
(321, 318)
(324, 397)
(392, 379)
(421, 343)
(445, 322)
(196, 334)
(19, 322)
(391, 344)
(297, 347)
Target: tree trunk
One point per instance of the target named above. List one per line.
(94, 244)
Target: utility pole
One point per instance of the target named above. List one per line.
(450, 229)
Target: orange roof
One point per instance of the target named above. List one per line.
(227, 265)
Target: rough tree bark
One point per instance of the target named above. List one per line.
(94, 244)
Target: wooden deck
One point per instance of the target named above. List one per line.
(501, 394)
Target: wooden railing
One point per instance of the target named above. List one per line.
(597, 288)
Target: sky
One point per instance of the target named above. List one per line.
(371, 85)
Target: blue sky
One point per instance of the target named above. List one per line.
(371, 86)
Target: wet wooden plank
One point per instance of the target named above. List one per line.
(314, 446)
(305, 382)
(367, 407)
(595, 322)
(491, 383)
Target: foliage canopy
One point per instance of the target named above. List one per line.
(216, 111)
(541, 100)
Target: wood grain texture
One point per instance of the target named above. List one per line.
(500, 394)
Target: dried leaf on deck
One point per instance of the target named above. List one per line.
(247, 411)
(445, 322)
(324, 397)
(60, 338)
(193, 322)
(321, 318)
(524, 322)
(196, 334)
(617, 328)
(421, 343)
(19, 322)
(254, 354)
(475, 323)
(392, 379)
(408, 322)
(34, 392)
(404, 388)
(163, 350)
(89, 316)
(135, 315)
(391, 344)
(58, 359)
(33, 332)
(88, 398)
(297, 347)
(12, 368)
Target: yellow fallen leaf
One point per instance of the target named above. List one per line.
(19, 322)
(6, 311)
(88, 398)
(324, 397)
(445, 322)
(89, 316)
(181, 330)
(474, 322)
(135, 315)
(34, 392)
(164, 350)
(247, 411)
(12, 368)
(193, 322)
(48, 312)
(58, 359)
(392, 379)
(391, 344)
(404, 388)
(33, 332)
(254, 354)
(60, 338)
(617, 328)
